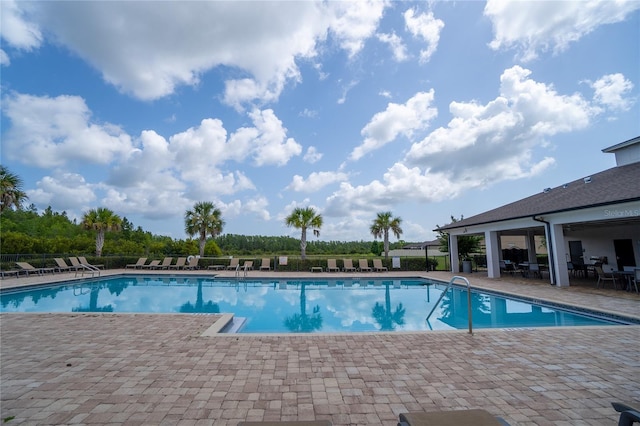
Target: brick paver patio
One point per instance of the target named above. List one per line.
(158, 369)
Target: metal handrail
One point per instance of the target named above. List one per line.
(85, 267)
(237, 270)
(468, 299)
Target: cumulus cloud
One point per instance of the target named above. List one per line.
(611, 90)
(63, 191)
(397, 119)
(425, 27)
(312, 155)
(494, 141)
(48, 132)
(121, 40)
(397, 46)
(316, 181)
(17, 31)
(533, 27)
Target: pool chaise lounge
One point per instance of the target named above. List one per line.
(364, 265)
(331, 266)
(83, 261)
(138, 264)
(29, 268)
(628, 414)
(348, 265)
(473, 417)
(377, 266)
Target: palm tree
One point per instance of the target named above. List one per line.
(381, 226)
(304, 322)
(205, 219)
(304, 218)
(101, 220)
(12, 194)
(385, 316)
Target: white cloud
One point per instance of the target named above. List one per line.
(532, 27)
(4, 59)
(49, 132)
(121, 40)
(355, 21)
(63, 191)
(345, 90)
(316, 181)
(258, 207)
(425, 27)
(15, 29)
(610, 91)
(397, 46)
(396, 120)
(493, 142)
(312, 155)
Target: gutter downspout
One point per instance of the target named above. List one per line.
(552, 269)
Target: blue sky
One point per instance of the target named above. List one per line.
(425, 109)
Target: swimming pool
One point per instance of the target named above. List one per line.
(302, 305)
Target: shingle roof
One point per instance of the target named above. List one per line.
(613, 186)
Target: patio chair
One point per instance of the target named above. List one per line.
(166, 262)
(364, 265)
(29, 268)
(266, 264)
(180, 262)
(248, 265)
(348, 265)
(628, 414)
(138, 264)
(233, 263)
(473, 417)
(151, 265)
(83, 260)
(604, 277)
(377, 266)
(61, 265)
(331, 266)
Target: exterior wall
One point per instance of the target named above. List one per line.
(627, 155)
(599, 242)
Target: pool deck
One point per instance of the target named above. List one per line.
(143, 369)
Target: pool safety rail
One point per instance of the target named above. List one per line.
(451, 281)
(245, 268)
(82, 268)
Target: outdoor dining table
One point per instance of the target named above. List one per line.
(627, 275)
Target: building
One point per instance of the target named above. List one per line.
(593, 218)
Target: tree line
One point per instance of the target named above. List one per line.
(26, 231)
(47, 232)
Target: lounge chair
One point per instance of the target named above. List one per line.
(138, 264)
(83, 260)
(628, 414)
(331, 266)
(233, 264)
(29, 268)
(180, 262)
(364, 265)
(62, 265)
(151, 265)
(602, 276)
(474, 417)
(348, 265)
(166, 262)
(193, 263)
(266, 264)
(377, 266)
(248, 265)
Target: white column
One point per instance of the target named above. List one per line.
(492, 242)
(453, 249)
(561, 278)
(531, 247)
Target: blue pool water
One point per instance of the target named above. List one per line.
(281, 305)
